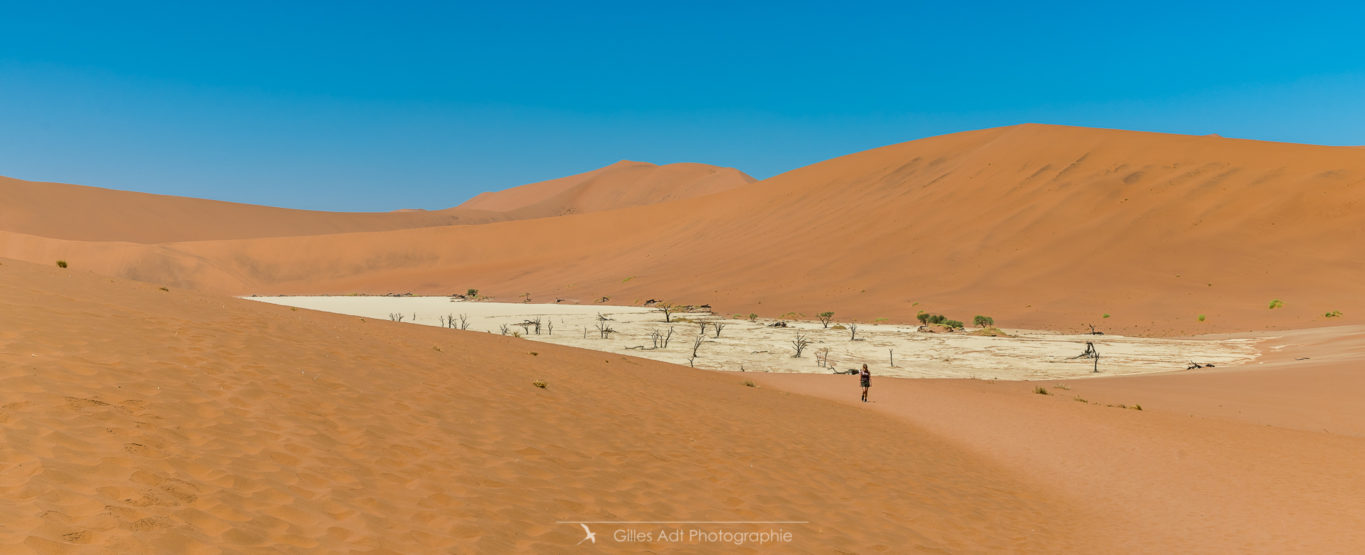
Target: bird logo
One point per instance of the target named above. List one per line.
(591, 536)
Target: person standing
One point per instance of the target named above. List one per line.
(865, 379)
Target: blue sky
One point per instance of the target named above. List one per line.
(379, 106)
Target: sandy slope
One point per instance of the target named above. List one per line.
(135, 419)
(75, 212)
(1037, 226)
(619, 185)
(1231, 460)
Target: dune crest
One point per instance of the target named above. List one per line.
(619, 185)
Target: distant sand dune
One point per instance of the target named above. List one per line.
(1037, 226)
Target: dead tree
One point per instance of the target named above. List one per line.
(703, 328)
(1090, 352)
(503, 328)
(1093, 332)
(668, 336)
(536, 322)
(718, 326)
(395, 316)
(604, 329)
(667, 309)
(853, 332)
(822, 357)
(464, 321)
(696, 344)
(550, 326)
(656, 336)
(892, 353)
(800, 343)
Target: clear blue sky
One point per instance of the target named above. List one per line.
(378, 106)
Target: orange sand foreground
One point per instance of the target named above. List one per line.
(139, 419)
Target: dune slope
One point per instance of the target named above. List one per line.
(138, 419)
(1037, 226)
(619, 185)
(77, 212)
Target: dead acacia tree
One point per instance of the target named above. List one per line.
(395, 316)
(464, 321)
(550, 326)
(853, 332)
(892, 353)
(703, 328)
(800, 343)
(604, 329)
(503, 328)
(718, 326)
(667, 309)
(696, 344)
(822, 357)
(1090, 352)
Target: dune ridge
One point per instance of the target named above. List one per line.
(619, 185)
(82, 213)
(1038, 226)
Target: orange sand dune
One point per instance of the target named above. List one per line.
(136, 419)
(1263, 459)
(1037, 226)
(75, 212)
(619, 185)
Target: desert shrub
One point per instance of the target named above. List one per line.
(1040, 390)
(1276, 303)
(923, 317)
(1106, 315)
(937, 319)
(539, 383)
(471, 293)
(953, 324)
(750, 383)
(752, 316)
(983, 321)
(61, 263)
(1333, 314)
(1201, 317)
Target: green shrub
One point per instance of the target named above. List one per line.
(1106, 315)
(752, 316)
(953, 324)
(472, 293)
(1040, 390)
(983, 321)
(1201, 317)
(1333, 314)
(938, 319)
(923, 317)
(61, 263)
(1276, 304)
